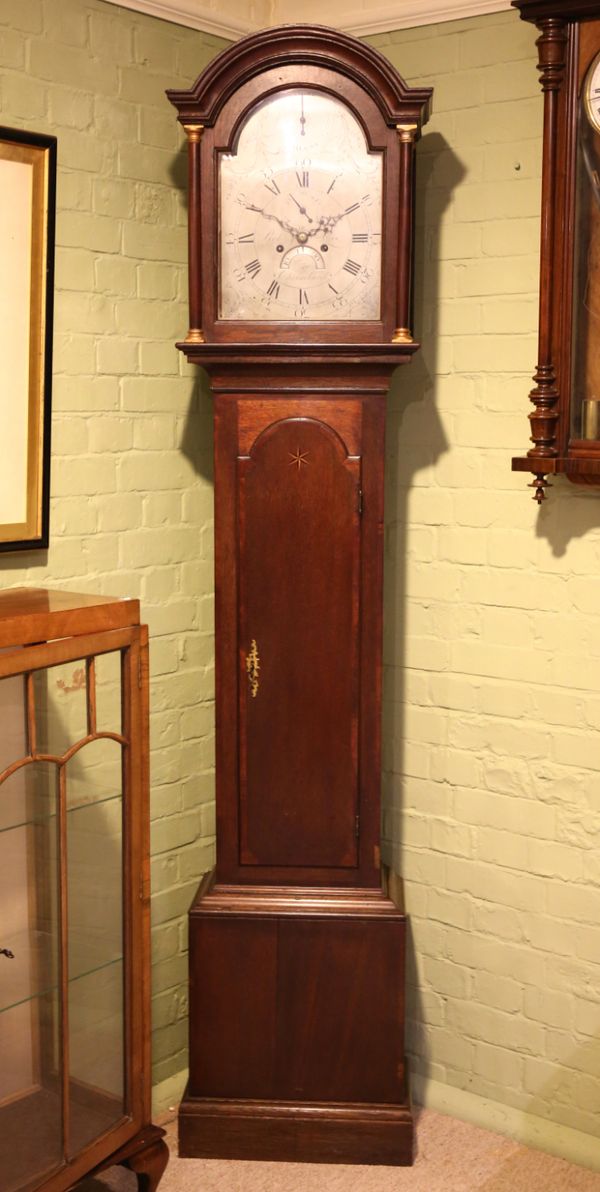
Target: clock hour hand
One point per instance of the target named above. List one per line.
(282, 223)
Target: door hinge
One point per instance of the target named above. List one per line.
(357, 826)
(360, 502)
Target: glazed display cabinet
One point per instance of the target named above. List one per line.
(74, 892)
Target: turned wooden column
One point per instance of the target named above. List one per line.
(544, 417)
(195, 334)
(403, 333)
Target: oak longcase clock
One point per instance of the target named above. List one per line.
(301, 157)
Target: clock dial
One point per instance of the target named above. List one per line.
(301, 214)
(591, 93)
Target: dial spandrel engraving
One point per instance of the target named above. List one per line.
(301, 214)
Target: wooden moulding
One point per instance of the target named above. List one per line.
(221, 899)
(574, 10)
(39, 615)
(296, 1132)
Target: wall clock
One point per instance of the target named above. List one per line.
(565, 420)
(301, 156)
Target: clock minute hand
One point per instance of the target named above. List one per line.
(301, 209)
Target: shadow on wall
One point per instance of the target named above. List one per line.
(24, 558)
(569, 512)
(197, 438)
(415, 442)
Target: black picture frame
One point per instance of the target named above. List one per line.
(27, 246)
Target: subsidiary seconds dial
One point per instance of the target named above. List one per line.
(300, 215)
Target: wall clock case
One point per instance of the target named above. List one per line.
(565, 420)
(301, 159)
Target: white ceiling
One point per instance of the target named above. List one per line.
(234, 18)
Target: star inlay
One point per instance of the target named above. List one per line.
(298, 458)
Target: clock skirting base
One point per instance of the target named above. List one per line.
(296, 1026)
(296, 1132)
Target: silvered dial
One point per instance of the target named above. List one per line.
(301, 214)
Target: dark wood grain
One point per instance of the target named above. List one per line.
(301, 988)
(265, 594)
(339, 1037)
(299, 535)
(233, 987)
(570, 10)
(296, 1132)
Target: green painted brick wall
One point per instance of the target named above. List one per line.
(132, 424)
(492, 643)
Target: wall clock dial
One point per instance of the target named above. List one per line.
(301, 214)
(591, 93)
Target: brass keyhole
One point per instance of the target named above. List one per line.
(253, 667)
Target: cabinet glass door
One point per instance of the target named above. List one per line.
(62, 1020)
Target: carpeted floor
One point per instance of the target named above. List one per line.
(451, 1157)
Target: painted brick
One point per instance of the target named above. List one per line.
(71, 109)
(115, 118)
(27, 18)
(110, 36)
(115, 276)
(74, 268)
(100, 393)
(492, 699)
(110, 197)
(79, 55)
(73, 64)
(119, 511)
(162, 508)
(88, 231)
(158, 394)
(23, 95)
(158, 281)
(148, 319)
(117, 355)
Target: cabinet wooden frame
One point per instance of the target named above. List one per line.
(40, 629)
(296, 953)
(569, 39)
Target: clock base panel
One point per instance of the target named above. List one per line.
(296, 1132)
(296, 1026)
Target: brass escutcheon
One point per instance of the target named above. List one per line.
(253, 667)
